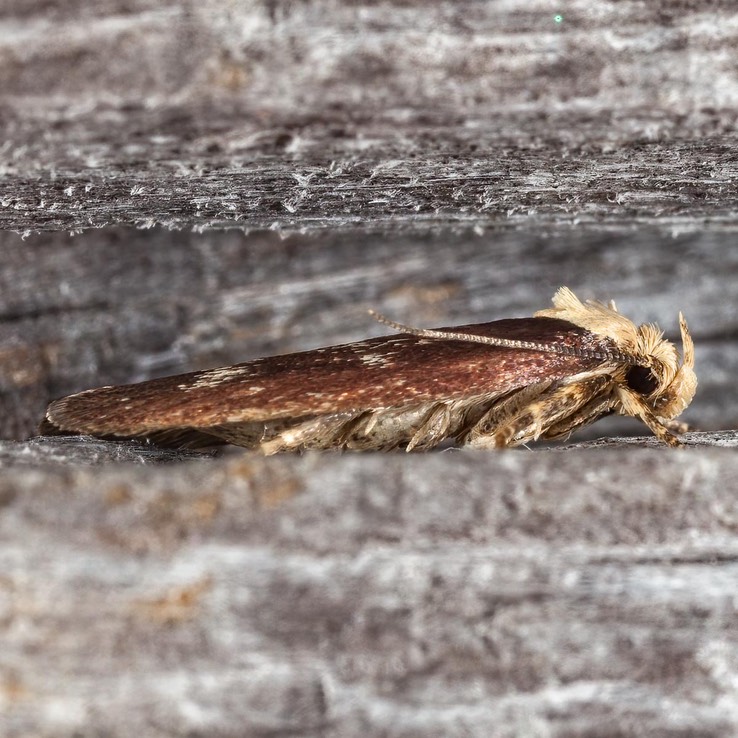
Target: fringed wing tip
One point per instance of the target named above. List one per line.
(48, 428)
(176, 438)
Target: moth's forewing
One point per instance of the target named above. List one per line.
(384, 372)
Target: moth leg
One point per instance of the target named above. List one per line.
(422, 425)
(634, 405)
(500, 414)
(365, 433)
(433, 430)
(535, 413)
(320, 433)
(585, 416)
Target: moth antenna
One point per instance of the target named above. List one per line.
(687, 343)
(550, 348)
(401, 327)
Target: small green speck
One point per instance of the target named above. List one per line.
(558, 18)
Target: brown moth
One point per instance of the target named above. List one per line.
(487, 385)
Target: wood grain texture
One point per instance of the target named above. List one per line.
(324, 113)
(459, 593)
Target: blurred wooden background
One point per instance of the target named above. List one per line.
(186, 185)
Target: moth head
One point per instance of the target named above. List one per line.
(665, 384)
(653, 372)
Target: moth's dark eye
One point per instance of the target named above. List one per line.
(641, 379)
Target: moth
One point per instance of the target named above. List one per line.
(487, 385)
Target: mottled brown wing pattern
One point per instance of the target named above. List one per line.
(379, 373)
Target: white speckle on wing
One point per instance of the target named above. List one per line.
(214, 377)
(374, 359)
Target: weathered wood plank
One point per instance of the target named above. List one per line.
(323, 113)
(332, 595)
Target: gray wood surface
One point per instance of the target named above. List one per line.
(185, 185)
(425, 595)
(324, 113)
